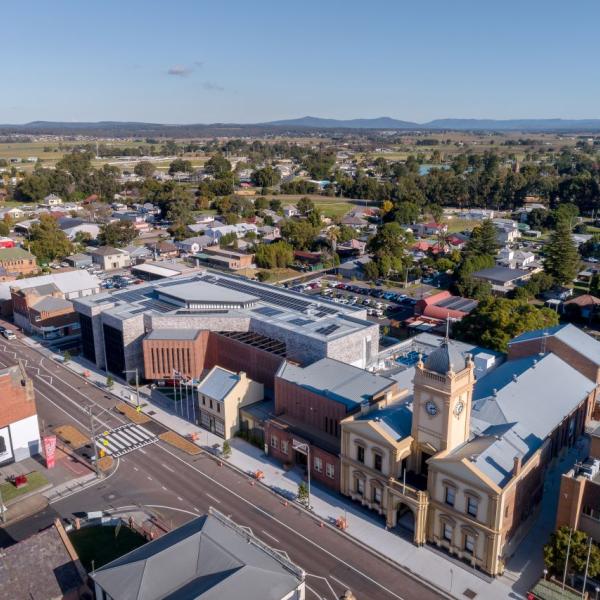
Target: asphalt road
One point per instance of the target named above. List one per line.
(179, 487)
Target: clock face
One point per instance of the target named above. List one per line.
(431, 408)
(458, 408)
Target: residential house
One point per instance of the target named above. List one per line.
(515, 259)
(90, 229)
(224, 259)
(502, 279)
(208, 557)
(507, 231)
(6, 242)
(290, 210)
(79, 261)
(19, 430)
(17, 261)
(44, 565)
(431, 228)
(221, 394)
(138, 254)
(194, 245)
(163, 249)
(444, 305)
(354, 268)
(353, 247)
(109, 258)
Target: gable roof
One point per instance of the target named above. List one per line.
(209, 558)
(218, 383)
(569, 335)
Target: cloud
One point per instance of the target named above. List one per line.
(180, 71)
(210, 86)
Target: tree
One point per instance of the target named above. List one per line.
(495, 321)
(436, 211)
(48, 242)
(406, 213)
(226, 449)
(144, 169)
(110, 381)
(117, 234)
(561, 258)
(66, 357)
(390, 249)
(276, 255)
(300, 234)
(483, 240)
(4, 228)
(217, 166)
(266, 177)
(275, 205)
(180, 166)
(305, 205)
(303, 493)
(555, 553)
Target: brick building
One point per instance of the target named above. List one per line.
(18, 261)
(311, 402)
(19, 430)
(43, 311)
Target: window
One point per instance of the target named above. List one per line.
(211, 404)
(203, 400)
(284, 446)
(360, 454)
(472, 506)
(330, 470)
(450, 495)
(469, 544)
(447, 532)
(377, 461)
(274, 442)
(218, 407)
(377, 495)
(220, 427)
(360, 486)
(318, 464)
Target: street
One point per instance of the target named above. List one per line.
(179, 487)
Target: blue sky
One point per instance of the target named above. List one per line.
(238, 61)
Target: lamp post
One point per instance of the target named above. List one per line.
(137, 383)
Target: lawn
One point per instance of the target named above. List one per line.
(101, 545)
(35, 481)
(456, 225)
(329, 207)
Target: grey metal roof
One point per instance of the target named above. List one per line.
(200, 291)
(515, 407)
(336, 380)
(173, 334)
(50, 304)
(218, 383)
(206, 559)
(448, 357)
(570, 335)
(66, 282)
(395, 420)
(503, 274)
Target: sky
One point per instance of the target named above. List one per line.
(248, 62)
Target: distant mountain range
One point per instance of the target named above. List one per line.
(301, 125)
(455, 124)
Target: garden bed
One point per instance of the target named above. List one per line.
(35, 481)
(72, 436)
(174, 439)
(132, 414)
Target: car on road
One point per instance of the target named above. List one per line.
(9, 335)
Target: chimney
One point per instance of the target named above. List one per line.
(516, 466)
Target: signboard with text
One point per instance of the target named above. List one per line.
(49, 445)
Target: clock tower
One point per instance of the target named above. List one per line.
(443, 389)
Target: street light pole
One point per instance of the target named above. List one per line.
(93, 441)
(137, 383)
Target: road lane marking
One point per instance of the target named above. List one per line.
(135, 469)
(335, 596)
(148, 478)
(167, 467)
(271, 536)
(344, 585)
(292, 530)
(213, 498)
(180, 498)
(163, 487)
(313, 591)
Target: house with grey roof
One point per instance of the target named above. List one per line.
(209, 558)
(220, 395)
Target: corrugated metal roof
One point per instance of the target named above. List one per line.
(218, 383)
(173, 334)
(336, 380)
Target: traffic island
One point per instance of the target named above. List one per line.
(174, 439)
(71, 436)
(134, 415)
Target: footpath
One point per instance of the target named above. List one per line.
(451, 577)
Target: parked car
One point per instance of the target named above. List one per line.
(9, 335)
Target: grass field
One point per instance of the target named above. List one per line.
(329, 207)
(35, 481)
(456, 225)
(99, 544)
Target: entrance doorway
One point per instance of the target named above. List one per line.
(405, 520)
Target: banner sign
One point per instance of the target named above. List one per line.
(49, 444)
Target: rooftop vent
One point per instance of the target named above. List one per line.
(514, 377)
(494, 392)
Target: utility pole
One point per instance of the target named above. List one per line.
(564, 581)
(1, 508)
(93, 441)
(137, 383)
(587, 565)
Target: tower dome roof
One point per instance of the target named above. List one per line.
(446, 358)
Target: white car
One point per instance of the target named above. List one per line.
(9, 335)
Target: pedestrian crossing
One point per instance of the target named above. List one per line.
(126, 438)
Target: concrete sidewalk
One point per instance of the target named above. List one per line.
(367, 528)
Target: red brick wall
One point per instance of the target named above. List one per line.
(272, 430)
(17, 401)
(554, 345)
(307, 406)
(175, 357)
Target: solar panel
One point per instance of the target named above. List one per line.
(300, 322)
(267, 311)
(158, 305)
(328, 330)
(133, 296)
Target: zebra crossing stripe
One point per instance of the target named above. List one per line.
(124, 439)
